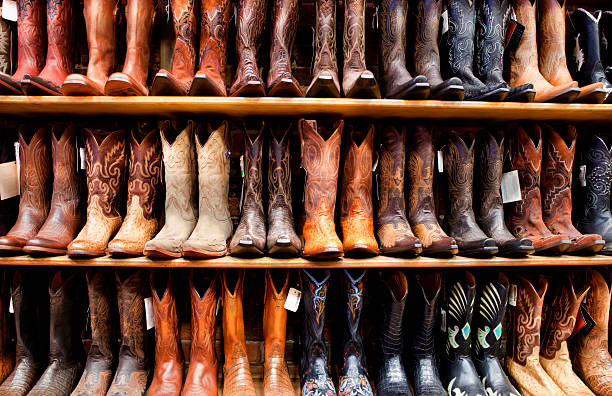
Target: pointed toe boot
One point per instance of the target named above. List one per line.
(284, 27)
(325, 82)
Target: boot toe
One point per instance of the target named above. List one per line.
(8, 86)
(592, 93)
(365, 87)
(163, 248)
(586, 243)
(324, 86)
(285, 87)
(165, 84)
(38, 86)
(551, 244)
(204, 85)
(451, 89)
(10, 243)
(516, 247)
(445, 246)
(122, 247)
(80, 85)
(485, 246)
(121, 84)
(200, 248)
(44, 245)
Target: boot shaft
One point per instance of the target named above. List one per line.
(393, 33)
(325, 40)
(253, 182)
(60, 34)
(395, 291)
(597, 303)
(250, 25)
(315, 299)
(185, 27)
(598, 175)
(392, 161)
(66, 182)
(420, 166)
(489, 208)
(233, 320)
(551, 41)
(426, 52)
(490, 40)
(66, 315)
(524, 56)
(459, 166)
(167, 339)
(102, 304)
(586, 59)
(489, 315)
(459, 309)
(100, 21)
(31, 37)
(354, 36)
(279, 172)
(214, 29)
(285, 16)
(356, 197)
(275, 316)
(144, 182)
(605, 38)
(459, 42)
(354, 283)
(139, 15)
(427, 295)
(130, 298)
(203, 304)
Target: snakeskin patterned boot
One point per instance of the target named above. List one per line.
(325, 67)
(284, 27)
(7, 352)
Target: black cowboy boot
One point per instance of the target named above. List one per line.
(605, 42)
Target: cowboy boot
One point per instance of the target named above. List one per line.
(357, 81)
(133, 367)
(557, 164)
(314, 368)
(398, 83)
(324, 82)
(590, 357)
(143, 201)
(282, 239)
(100, 19)
(237, 378)
(524, 67)
(489, 208)
(276, 375)
(250, 236)
(210, 78)
(178, 81)
(457, 366)
(6, 40)
(356, 212)
(524, 218)
(34, 188)
(180, 181)
(65, 218)
(31, 37)
(392, 228)
(551, 51)
(132, 81)
(9, 208)
(285, 20)
(522, 361)
(559, 319)
(202, 375)
(320, 159)
(460, 220)
(491, 307)
(605, 42)
(426, 14)
(168, 374)
(250, 25)
(7, 353)
(102, 355)
(421, 210)
(214, 227)
(105, 162)
(66, 354)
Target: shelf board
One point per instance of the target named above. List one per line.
(232, 107)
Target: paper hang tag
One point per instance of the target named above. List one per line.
(375, 166)
(512, 295)
(514, 34)
(375, 19)
(510, 187)
(292, 302)
(218, 306)
(18, 161)
(148, 302)
(9, 10)
(11, 309)
(82, 164)
(444, 21)
(582, 175)
(440, 159)
(9, 180)
(443, 320)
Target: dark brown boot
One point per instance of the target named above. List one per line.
(325, 67)
(7, 350)
(285, 19)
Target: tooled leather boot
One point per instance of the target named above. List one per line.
(65, 218)
(558, 321)
(178, 81)
(398, 83)
(66, 355)
(60, 46)
(276, 375)
(214, 226)
(357, 81)
(356, 211)
(524, 218)
(282, 239)
(320, 159)
(133, 368)
(100, 20)
(34, 187)
(314, 368)
(168, 373)
(180, 181)
(421, 209)
(7, 352)
(237, 378)
(105, 161)
(132, 80)
(143, 202)
(6, 45)
(324, 82)
(214, 26)
(102, 355)
(250, 235)
(557, 164)
(202, 375)
(590, 357)
(489, 208)
(392, 228)
(460, 220)
(284, 26)
(490, 310)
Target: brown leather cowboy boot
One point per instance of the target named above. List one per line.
(132, 81)
(7, 350)
(65, 218)
(237, 378)
(325, 67)
(421, 209)
(168, 374)
(276, 375)
(100, 24)
(557, 164)
(105, 162)
(178, 81)
(202, 375)
(320, 159)
(250, 236)
(6, 46)
(143, 201)
(285, 20)
(210, 78)
(524, 218)
(356, 212)
(35, 188)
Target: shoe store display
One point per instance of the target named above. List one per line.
(281, 81)
(325, 83)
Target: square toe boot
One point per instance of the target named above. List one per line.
(325, 82)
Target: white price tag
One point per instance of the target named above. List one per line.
(218, 306)
(512, 295)
(375, 166)
(443, 320)
(582, 176)
(444, 21)
(9, 180)
(11, 309)
(9, 10)
(510, 187)
(82, 158)
(18, 161)
(440, 159)
(148, 303)
(292, 302)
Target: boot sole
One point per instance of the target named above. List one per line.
(526, 96)
(251, 89)
(330, 253)
(450, 93)
(10, 248)
(365, 88)
(554, 248)
(591, 248)
(39, 250)
(79, 88)
(360, 251)
(201, 253)
(480, 252)
(597, 96)
(449, 250)
(123, 252)
(7, 88)
(164, 85)
(204, 86)
(323, 87)
(285, 88)
(246, 251)
(283, 250)
(160, 253)
(31, 87)
(121, 87)
(517, 252)
(85, 253)
(413, 250)
(497, 95)
(566, 96)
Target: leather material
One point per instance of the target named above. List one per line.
(7, 352)
(321, 160)
(605, 37)
(5, 47)
(105, 169)
(325, 81)
(285, 15)
(490, 42)
(356, 207)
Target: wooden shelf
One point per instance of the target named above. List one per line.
(169, 107)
